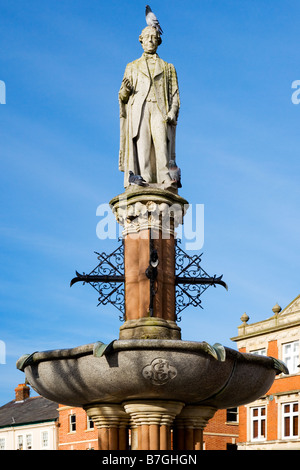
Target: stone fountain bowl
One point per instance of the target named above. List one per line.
(189, 372)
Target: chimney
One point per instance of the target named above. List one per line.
(22, 392)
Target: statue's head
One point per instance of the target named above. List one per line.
(150, 39)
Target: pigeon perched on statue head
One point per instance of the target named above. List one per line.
(136, 179)
(151, 20)
(175, 173)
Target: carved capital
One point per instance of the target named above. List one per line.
(107, 415)
(149, 208)
(195, 417)
(153, 412)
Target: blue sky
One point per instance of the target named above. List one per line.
(237, 145)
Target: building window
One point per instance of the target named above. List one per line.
(2, 443)
(72, 423)
(290, 356)
(90, 423)
(290, 419)
(232, 415)
(260, 352)
(258, 423)
(28, 441)
(20, 443)
(45, 439)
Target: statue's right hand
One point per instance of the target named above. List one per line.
(127, 85)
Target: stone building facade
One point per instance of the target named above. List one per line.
(272, 422)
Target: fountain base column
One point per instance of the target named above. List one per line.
(152, 421)
(189, 426)
(112, 423)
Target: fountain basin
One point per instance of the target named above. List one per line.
(190, 372)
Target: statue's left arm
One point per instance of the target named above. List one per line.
(174, 100)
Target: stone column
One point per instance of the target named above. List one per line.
(189, 426)
(153, 420)
(112, 423)
(149, 217)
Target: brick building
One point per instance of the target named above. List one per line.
(76, 430)
(272, 422)
(222, 431)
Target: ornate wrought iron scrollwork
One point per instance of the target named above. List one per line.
(191, 280)
(107, 278)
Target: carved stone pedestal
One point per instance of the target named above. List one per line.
(149, 216)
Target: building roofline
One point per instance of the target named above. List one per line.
(265, 330)
(285, 308)
(32, 410)
(265, 326)
(19, 425)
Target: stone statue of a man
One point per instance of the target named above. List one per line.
(149, 106)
